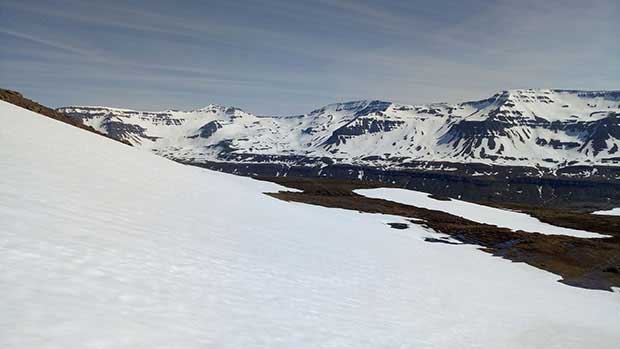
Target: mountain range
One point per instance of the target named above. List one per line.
(548, 129)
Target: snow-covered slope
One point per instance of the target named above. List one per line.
(104, 246)
(474, 212)
(546, 128)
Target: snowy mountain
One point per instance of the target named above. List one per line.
(105, 246)
(536, 128)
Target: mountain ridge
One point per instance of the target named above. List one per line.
(610, 93)
(525, 127)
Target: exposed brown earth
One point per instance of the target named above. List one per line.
(581, 262)
(19, 100)
(510, 184)
(575, 219)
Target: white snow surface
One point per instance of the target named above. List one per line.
(475, 212)
(105, 246)
(612, 212)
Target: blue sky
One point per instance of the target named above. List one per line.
(289, 57)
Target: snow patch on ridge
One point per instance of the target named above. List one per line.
(612, 212)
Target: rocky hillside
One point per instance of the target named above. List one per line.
(18, 99)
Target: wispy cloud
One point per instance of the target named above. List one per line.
(302, 54)
(47, 43)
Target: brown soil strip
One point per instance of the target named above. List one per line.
(16, 98)
(581, 262)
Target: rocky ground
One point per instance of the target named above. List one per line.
(581, 262)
